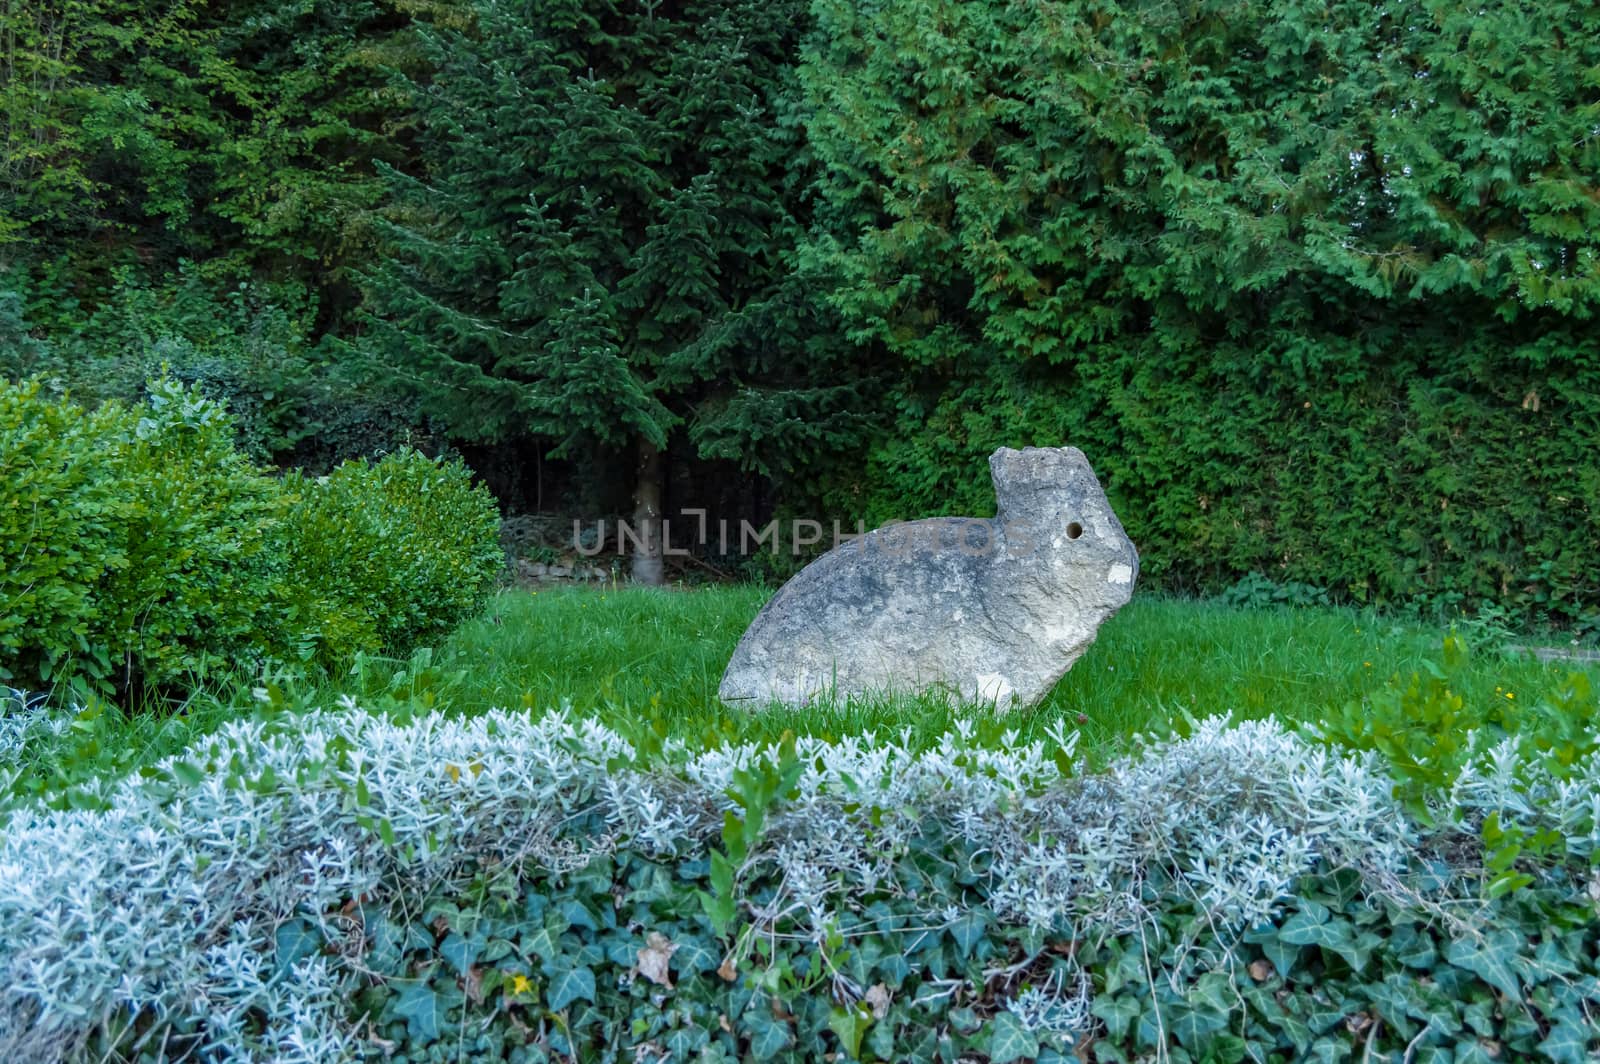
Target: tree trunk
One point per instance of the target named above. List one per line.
(647, 567)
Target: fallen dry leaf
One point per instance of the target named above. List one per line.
(877, 997)
(655, 957)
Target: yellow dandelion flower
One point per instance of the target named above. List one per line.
(520, 984)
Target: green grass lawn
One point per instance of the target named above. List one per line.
(633, 655)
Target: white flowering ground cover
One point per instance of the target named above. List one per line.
(512, 886)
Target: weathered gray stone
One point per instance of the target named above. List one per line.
(992, 610)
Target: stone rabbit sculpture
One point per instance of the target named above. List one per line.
(992, 610)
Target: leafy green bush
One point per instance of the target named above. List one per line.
(140, 549)
(384, 555)
(135, 537)
(62, 531)
(197, 522)
(246, 344)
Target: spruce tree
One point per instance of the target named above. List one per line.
(597, 253)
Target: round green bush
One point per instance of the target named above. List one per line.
(132, 540)
(384, 555)
(197, 521)
(141, 551)
(61, 532)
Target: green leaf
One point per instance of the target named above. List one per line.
(1009, 1040)
(850, 1024)
(720, 909)
(733, 836)
(461, 951)
(968, 930)
(294, 940)
(1118, 1013)
(1568, 1043)
(418, 1005)
(1214, 991)
(1283, 955)
(721, 875)
(769, 1036)
(545, 942)
(1311, 926)
(569, 985)
(684, 1042)
(695, 955)
(1490, 959)
(1192, 1026)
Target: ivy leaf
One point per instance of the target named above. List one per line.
(969, 930)
(569, 985)
(694, 956)
(1118, 1014)
(545, 943)
(1214, 991)
(1489, 959)
(462, 952)
(385, 953)
(1568, 1043)
(684, 1042)
(850, 1024)
(578, 914)
(1282, 954)
(1009, 1040)
(418, 1005)
(1413, 948)
(1311, 927)
(1471, 1051)
(769, 1036)
(1192, 1026)
(294, 940)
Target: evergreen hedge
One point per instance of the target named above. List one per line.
(1313, 284)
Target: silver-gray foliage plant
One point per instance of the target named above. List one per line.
(167, 903)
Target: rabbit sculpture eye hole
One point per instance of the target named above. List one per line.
(1074, 530)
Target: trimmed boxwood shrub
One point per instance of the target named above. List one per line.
(61, 520)
(388, 554)
(133, 543)
(139, 549)
(196, 530)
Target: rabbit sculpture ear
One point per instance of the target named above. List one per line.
(920, 609)
(1043, 483)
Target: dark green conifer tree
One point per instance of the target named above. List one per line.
(597, 253)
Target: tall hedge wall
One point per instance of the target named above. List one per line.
(1312, 282)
